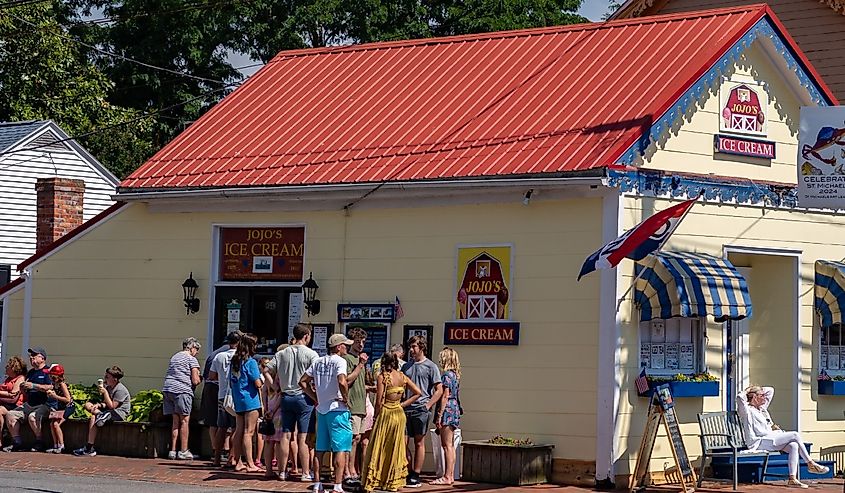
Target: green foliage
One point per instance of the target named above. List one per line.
(144, 404)
(682, 377)
(516, 442)
(45, 76)
(81, 394)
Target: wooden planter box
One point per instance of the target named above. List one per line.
(506, 464)
(145, 440)
(831, 387)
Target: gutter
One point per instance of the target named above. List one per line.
(355, 187)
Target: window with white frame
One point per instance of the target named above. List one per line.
(832, 350)
(669, 347)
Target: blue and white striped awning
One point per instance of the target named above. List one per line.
(679, 284)
(829, 292)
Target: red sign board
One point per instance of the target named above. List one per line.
(262, 254)
(742, 146)
(491, 333)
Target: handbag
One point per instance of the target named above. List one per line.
(266, 427)
(228, 402)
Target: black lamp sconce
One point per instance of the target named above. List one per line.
(189, 295)
(309, 291)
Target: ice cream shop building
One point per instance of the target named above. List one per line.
(453, 188)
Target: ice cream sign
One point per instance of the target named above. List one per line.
(743, 108)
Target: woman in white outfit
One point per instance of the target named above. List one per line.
(761, 433)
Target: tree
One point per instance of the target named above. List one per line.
(45, 76)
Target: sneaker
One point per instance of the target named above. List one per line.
(7, 448)
(318, 487)
(794, 483)
(55, 450)
(38, 447)
(413, 482)
(817, 468)
(185, 455)
(17, 447)
(88, 453)
(172, 455)
(307, 478)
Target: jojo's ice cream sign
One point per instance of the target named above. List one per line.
(743, 111)
(743, 108)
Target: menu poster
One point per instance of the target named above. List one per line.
(672, 356)
(833, 358)
(841, 357)
(658, 357)
(645, 355)
(686, 357)
(823, 359)
(319, 339)
(294, 312)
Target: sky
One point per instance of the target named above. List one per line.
(594, 9)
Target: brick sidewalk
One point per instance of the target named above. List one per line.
(202, 474)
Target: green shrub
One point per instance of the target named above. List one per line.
(144, 404)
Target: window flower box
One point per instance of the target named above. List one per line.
(831, 387)
(679, 388)
(517, 465)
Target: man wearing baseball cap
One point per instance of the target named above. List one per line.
(331, 393)
(35, 407)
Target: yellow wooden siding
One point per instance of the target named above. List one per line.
(707, 229)
(113, 296)
(690, 147)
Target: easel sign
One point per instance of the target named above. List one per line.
(662, 408)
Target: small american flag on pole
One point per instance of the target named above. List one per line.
(397, 306)
(642, 383)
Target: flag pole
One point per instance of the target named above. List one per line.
(640, 274)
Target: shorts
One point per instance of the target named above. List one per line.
(208, 404)
(296, 413)
(417, 419)
(41, 411)
(178, 403)
(224, 419)
(105, 416)
(334, 432)
(357, 423)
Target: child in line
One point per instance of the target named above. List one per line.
(272, 399)
(58, 398)
(259, 438)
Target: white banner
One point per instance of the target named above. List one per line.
(821, 157)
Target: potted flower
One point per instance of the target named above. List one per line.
(831, 385)
(701, 384)
(509, 461)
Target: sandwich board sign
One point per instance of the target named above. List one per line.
(662, 409)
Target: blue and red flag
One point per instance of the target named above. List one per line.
(638, 241)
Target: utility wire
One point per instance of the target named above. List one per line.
(118, 124)
(115, 55)
(186, 8)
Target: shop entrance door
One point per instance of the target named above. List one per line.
(738, 354)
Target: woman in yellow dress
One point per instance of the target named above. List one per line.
(386, 462)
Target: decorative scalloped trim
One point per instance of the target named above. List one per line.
(838, 6)
(737, 191)
(706, 83)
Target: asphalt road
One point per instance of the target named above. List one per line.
(61, 483)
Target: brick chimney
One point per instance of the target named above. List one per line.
(59, 205)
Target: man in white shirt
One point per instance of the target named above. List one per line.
(225, 422)
(331, 393)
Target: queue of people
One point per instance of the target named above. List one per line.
(299, 407)
(296, 406)
(40, 394)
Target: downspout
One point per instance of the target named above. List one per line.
(607, 387)
(27, 310)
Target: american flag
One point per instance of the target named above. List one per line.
(642, 383)
(397, 306)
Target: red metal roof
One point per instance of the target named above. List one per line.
(539, 101)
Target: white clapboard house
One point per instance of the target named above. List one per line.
(40, 151)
